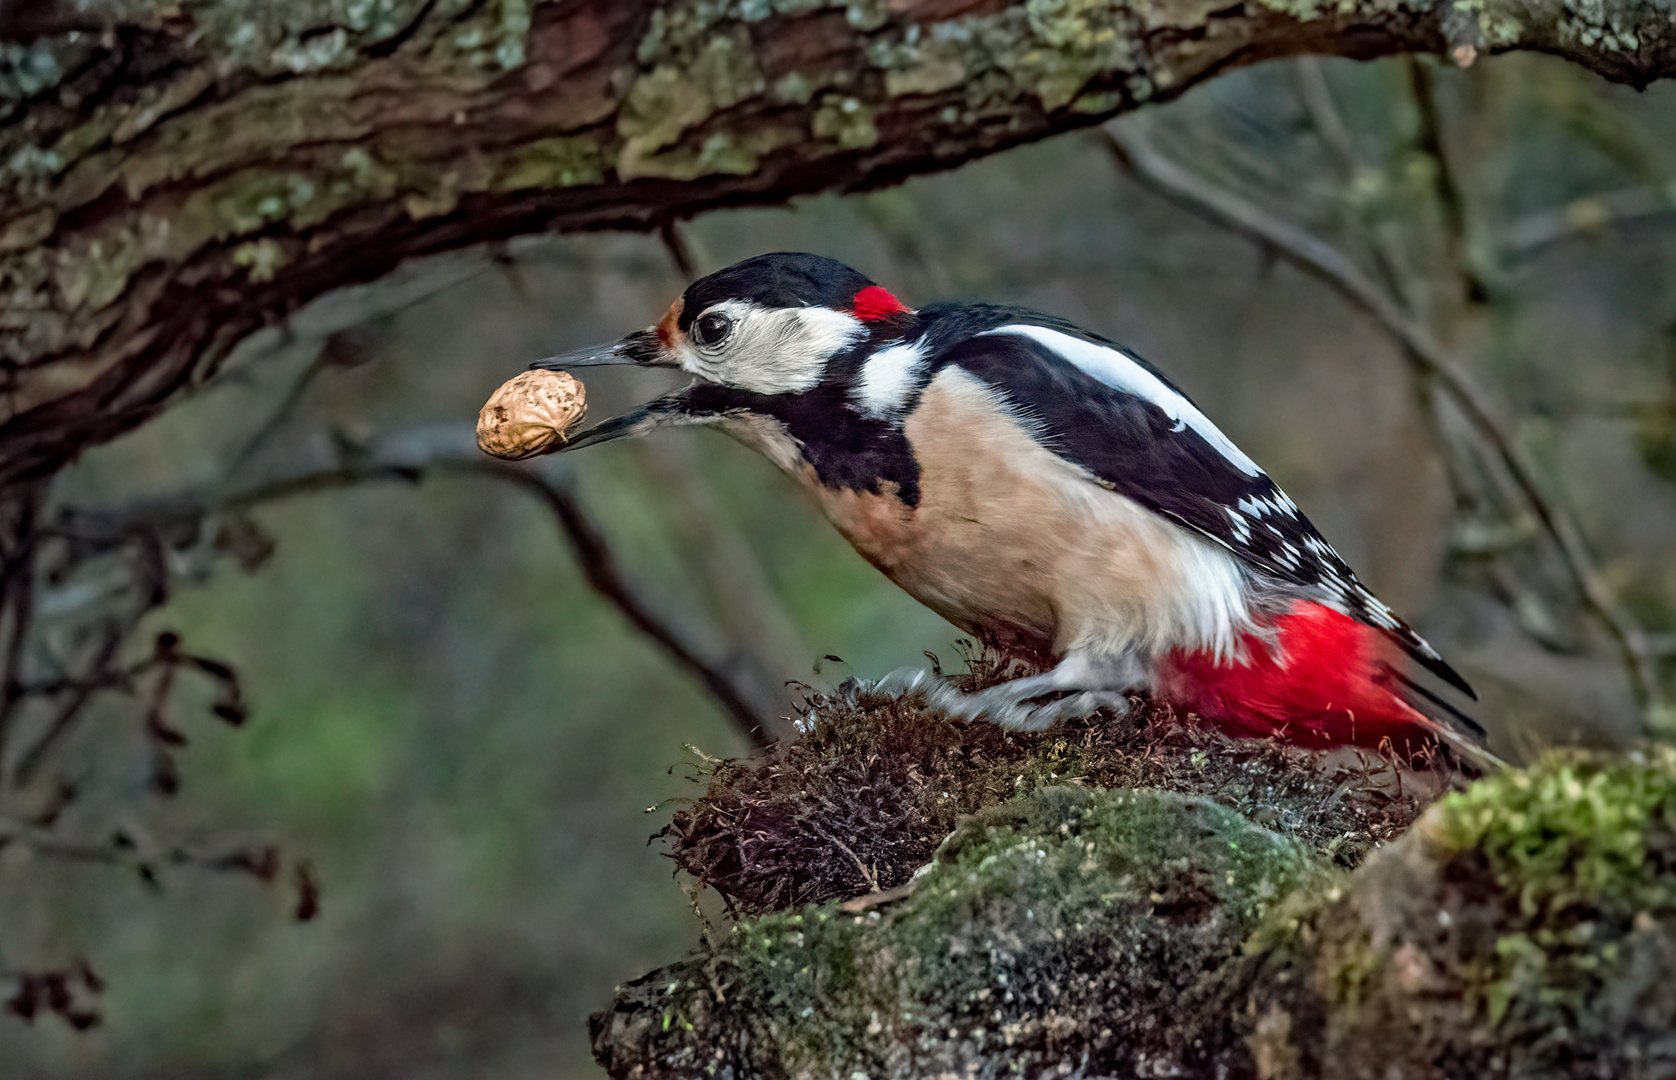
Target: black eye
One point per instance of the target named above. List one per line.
(709, 330)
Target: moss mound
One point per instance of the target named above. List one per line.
(1526, 927)
(1063, 927)
(876, 783)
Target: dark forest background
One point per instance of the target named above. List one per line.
(470, 748)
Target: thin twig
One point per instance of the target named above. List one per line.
(1331, 266)
(294, 394)
(1589, 215)
(680, 252)
(1451, 197)
(410, 464)
(1316, 96)
(870, 878)
(599, 566)
(728, 570)
(17, 610)
(122, 850)
(100, 677)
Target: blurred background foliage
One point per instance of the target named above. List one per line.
(460, 741)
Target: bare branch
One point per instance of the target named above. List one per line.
(1591, 215)
(18, 540)
(765, 641)
(1451, 198)
(411, 457)
(177, 207)
(599, 566)
(74, 707)
(138, 853)
(1331, 266)
(680, 252)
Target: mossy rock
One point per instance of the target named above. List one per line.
(1139, 896)
(1524, 928)
(861, 801)
(1068, 928)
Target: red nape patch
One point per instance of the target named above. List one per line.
(1327, 685)
(875, 302)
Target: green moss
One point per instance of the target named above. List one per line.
(845, 121)
(1061, 920)
(1497, 24)
(1584, 850)
(304, 36)
(495, 35)
(263, 257)
(678, 33)
(97, 271)
(1570, 830)
(1524, 927)
(299, 37)
(1302, 10)
(1070, 43)
(894, 779)
(235, 205)
(1591, 25)
(260, 197)
(867, 15)
(936, 68)
(358, 174)
(26, 70)
(1075, 25)
(666, 102)
(559, 161)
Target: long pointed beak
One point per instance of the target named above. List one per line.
(661, 412)
(641, 347)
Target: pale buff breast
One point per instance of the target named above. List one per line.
(1012, 540)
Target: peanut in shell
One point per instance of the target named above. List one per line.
(530, 415)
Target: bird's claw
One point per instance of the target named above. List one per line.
(1007, 705)
(1026, 717)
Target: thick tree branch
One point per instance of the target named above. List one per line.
(188, 172)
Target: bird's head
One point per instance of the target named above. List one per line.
(763, 328)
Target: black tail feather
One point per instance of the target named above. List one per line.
(1456, 731)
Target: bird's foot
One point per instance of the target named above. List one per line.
(1017, 705)
(1024, 716)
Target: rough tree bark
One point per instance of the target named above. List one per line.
(177, 173)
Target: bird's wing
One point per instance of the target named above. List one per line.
(1110, 413)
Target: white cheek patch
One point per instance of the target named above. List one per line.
(1120, 372)
(773, 350)
(888, 378)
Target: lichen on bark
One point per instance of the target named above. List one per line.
(174, 176)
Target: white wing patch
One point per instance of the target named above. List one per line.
(887, 379)
(1120, 371)
(1259, 507)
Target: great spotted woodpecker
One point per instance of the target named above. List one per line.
(1047, 490)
